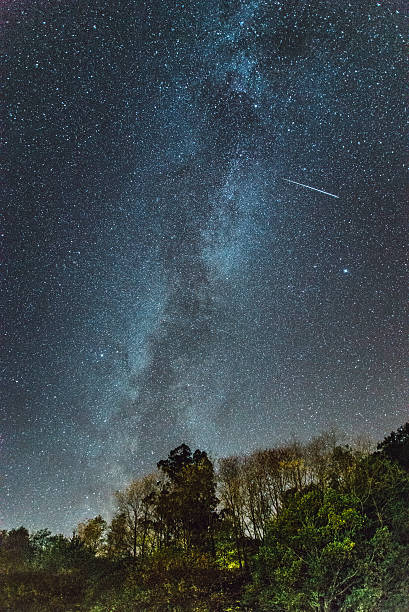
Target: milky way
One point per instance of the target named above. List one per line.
(163, 283)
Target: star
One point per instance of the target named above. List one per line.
(163, 281)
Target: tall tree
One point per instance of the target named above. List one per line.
(187, 501)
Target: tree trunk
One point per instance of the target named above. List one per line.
(134, 537)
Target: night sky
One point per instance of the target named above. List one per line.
(163, 282)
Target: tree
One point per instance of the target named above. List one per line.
(383, 490)
(231, 492)
(135, 504)
(118, 537)
(187, 502)
(40, 542)
(340, 544)
(92, 534)
(384, 576)
(308, 561)
(396, 446)
(15, 547)
(178, 458)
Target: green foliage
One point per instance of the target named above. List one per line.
(41, 591)
(117, 537)
(15, 549)
(173, 580)
(385, 576)
(92, 534)
(298, 529)
(310, 549)
(338, 548)
(382, 488)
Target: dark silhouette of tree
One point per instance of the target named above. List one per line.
(178, 459)
(396, 446)
(187, 502)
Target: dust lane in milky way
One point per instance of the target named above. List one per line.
(164, 283)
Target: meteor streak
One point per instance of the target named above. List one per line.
(314, 188)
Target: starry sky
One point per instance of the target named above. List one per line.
(163, 282)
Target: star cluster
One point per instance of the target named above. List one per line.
(163, 282)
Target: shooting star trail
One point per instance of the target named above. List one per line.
(314, 188)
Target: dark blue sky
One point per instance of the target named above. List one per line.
(164, 283)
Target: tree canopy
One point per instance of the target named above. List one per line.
(319, 526)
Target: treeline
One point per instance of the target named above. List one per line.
(318, 526)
